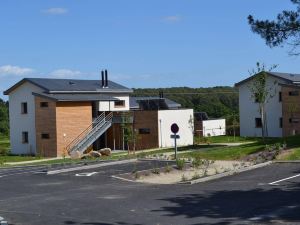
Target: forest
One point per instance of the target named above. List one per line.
(217, 102)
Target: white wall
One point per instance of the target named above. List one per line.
(249, 111)
(110, 106)
(214, 127)
(182, 117)
(22, 122)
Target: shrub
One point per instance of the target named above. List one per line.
(197, 162)
(180, 164)
(196, 176)
(156, 170)
(183, 178)
(168, 168)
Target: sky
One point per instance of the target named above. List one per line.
(142, 43)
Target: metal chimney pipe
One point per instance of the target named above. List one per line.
(102, 75)
(106, 81)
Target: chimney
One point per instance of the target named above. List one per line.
(106, 81)
(102, 75)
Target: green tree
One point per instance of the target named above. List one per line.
(285, 29)
(4, 121)
(261, 92)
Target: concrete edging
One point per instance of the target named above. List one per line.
(90, 166)
(217, 176)
(287, 161)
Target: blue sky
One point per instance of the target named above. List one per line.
(154, 43)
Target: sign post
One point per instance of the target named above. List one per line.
(175, 129)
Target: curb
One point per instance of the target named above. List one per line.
(90, 166)
(287, 161)
(218, 176)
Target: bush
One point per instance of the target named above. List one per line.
(180, 164)
(156, 170)
(197, 162)
(168, 168)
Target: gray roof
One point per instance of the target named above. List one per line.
(134, 102)
(72, 86)
(76, 97)
(288, 77)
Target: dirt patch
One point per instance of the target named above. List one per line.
(172, 175)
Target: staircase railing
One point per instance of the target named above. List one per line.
(90, 130)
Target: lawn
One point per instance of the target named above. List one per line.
(225, 139)
(238, 152)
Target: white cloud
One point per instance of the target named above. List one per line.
(172, 19)
(55, 11)
(65, 73)
(14, 70)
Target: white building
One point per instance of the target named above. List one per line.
(277, 117)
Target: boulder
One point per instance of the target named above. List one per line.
(76, 155)
(105, 151)
(95, 154)
(85, 156)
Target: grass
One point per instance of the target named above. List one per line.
(225, 139)
(238, 152)
(293, 155)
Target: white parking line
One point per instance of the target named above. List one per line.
(288, 178)
(85, 174)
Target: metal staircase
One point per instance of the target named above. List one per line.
(90, 134)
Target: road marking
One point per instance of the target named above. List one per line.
(288, 178)
(85, 174)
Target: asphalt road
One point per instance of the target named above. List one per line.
(35, 198)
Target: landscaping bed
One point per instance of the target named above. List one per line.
(183, 171)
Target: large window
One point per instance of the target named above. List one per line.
(24, 108)
(44, 104)
(280, 122)
(294, 120)
(258, 123)
(144, 131)
(24, 137)
(45, 136)
(119, 103)
(280, 96)
(293, 93)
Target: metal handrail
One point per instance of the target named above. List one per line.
(90, 130)
(95, 121)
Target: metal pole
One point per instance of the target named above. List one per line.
(175, 139)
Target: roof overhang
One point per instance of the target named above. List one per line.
(75, 97)
(250, 78)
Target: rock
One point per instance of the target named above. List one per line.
(105, 151)
(95, 154)
(85, 156)
(76, 155)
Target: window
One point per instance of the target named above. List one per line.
(43, 104)
(258, 123)
(119, 103)
(144, 131)
(280, 122)
(256, 97)
(45, 136)
(24, 137)
(24, 107)
(293, 93)
(280, 96)
(294, 120)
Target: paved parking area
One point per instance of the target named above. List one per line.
(246, 198)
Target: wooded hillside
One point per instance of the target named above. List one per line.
(216, 101)
(4, 124)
